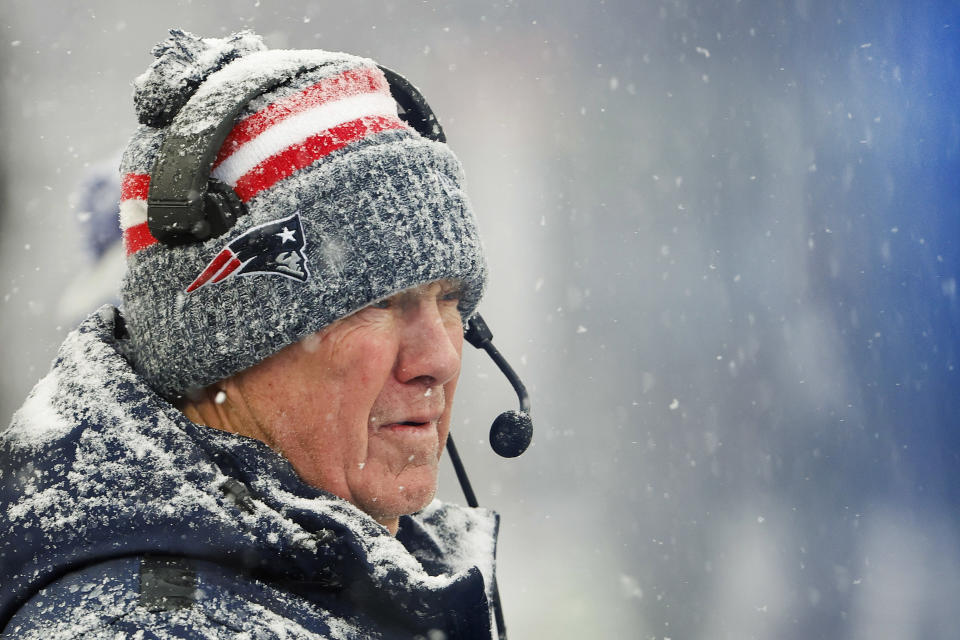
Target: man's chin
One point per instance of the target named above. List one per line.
(407, 496)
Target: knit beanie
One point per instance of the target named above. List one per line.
(346, 205)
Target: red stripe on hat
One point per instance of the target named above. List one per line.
(348, 83)
(135, 186)
(138, 237)
(303, 154)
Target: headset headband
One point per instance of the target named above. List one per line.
(185, 204)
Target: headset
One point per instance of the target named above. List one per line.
(186, 205)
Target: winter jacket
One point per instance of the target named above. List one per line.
(121, 518)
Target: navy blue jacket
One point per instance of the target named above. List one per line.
(121, 518)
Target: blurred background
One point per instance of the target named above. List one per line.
(724, 246)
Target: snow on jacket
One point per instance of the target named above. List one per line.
(121, 518)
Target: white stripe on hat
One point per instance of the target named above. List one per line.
(298, 128)
(132, 213)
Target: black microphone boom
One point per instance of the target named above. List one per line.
(512, 431)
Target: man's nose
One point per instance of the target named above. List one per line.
(430, 344)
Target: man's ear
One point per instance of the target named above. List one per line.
(208, 405)
(223, 406)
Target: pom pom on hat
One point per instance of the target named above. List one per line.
(183, 62)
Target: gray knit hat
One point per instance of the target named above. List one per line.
(346, 205)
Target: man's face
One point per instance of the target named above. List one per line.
(362, 408)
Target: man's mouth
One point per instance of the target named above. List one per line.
(411, 423)
(409, 419)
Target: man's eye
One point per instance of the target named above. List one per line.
(451, 296)
(386, 303)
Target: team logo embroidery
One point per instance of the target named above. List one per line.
(272, 248)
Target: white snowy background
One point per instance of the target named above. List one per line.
(724, 248)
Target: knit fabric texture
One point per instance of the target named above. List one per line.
(346, 205)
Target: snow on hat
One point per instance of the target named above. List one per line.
(346, 205)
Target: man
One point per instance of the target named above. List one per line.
(249, 447)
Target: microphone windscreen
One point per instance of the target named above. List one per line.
(511, 433)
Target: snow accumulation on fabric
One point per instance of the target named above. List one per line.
(467, 538)
(250, 72)
(38, 420)
(386, 554)
(49, 411)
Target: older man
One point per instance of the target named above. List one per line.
(249, 448)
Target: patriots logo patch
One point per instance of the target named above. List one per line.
(272, 248)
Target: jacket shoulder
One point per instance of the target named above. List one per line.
(156, 597)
